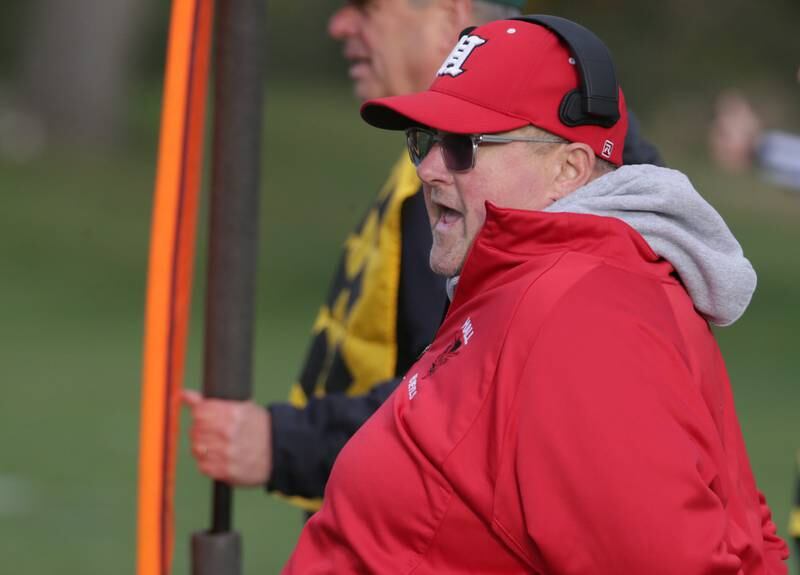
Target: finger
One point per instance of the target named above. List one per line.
(218, 417)
(208, 440)
(211, 468)
(215, 465)
(199, 451)
(191, 397)
(203, 453)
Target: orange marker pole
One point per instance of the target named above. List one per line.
(172, 247)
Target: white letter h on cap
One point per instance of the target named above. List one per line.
(452, 65)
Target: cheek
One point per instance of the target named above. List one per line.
(533, 194)
(382, 34)
(474, 194)
(426, 194)
(475, 216)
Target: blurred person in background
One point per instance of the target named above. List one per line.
(573, 414)
(739, 142)
(385, 304)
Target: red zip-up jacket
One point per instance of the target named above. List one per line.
(573, 415)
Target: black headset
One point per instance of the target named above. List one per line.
(596, 101)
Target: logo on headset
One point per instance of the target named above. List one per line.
(453, 64)
(608, 149)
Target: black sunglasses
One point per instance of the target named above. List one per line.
(459, 150)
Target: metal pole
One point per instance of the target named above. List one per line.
(238, 100)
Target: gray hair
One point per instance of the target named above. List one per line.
(484, 11)
(602, 167)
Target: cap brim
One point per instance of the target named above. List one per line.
(439, 111)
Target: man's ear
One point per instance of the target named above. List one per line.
(459, 16)
(577, 163)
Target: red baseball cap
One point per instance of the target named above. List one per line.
(501, 76)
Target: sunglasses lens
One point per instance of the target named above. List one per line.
(457, 150)
(419, 144)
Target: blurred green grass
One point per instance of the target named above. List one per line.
(73, 246)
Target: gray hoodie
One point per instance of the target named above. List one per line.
(680, 226)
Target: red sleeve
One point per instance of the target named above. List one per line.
(611, 462)
(775, 549)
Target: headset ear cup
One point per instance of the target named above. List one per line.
(570, 111)
(572, 114)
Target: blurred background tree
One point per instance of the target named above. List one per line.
(76, 66)
(72, 67)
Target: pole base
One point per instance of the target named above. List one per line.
(216, 553)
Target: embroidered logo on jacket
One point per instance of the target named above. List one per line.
(412, 387)
(459, 342)
(467, 331)
(454, 348)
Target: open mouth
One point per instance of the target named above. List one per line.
(358, 68)
(447, 217)
(358, 62)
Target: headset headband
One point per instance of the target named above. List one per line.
(597, 101)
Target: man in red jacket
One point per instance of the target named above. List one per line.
(573, 414)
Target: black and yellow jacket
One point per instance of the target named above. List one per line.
(383, 308)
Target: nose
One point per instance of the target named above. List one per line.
(343, 22)
(431, 170)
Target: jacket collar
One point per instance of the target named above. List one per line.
(510, 238)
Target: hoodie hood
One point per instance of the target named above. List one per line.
(681, 227)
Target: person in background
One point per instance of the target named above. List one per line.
(385, 304)
(738, 142)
